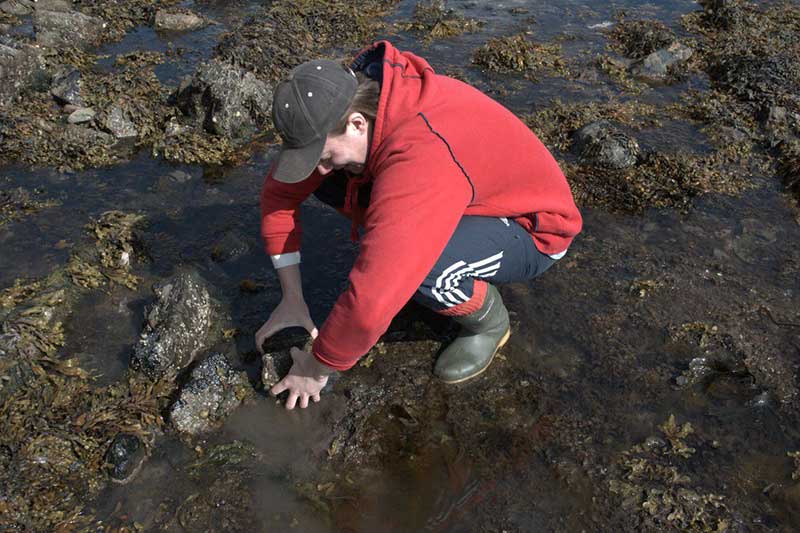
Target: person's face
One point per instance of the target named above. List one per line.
(348, 150)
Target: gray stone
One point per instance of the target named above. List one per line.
(657, 64)
(184, 21)
(78, 135)
(226, 100)
(81, 115)
(118, 124)
(212, 393)
(57, 28)
(17, 7)
(21, 66)
(174, 127)
(178, 326)
(53, 5)
(602, 145)
(66, 88)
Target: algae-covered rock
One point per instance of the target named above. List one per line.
(214, 390)
(58, 28)
(226, 100)
(178, 326)
(19, 8)
(517, 53)
(118, 124)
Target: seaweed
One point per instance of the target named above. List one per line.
(435, 21)
(516, 53)
(110, 259)
(289, 32)
(639, 38)
(18, 203)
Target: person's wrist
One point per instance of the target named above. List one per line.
(320, 369)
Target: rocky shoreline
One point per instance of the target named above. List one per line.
(721, 334)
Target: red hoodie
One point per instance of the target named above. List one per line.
(440, 150)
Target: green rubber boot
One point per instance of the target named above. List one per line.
(483, 332)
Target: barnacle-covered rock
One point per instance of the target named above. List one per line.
(179, 325)
(214, 390)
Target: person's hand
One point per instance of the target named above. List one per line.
(289, 313)
(304, 381)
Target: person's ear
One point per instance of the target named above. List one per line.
(359, 122)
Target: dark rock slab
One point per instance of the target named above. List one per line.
(226, 100)
(58, 28)
(213, 392)
(178, 326)
(600, 144)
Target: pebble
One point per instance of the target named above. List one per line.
(84, 114)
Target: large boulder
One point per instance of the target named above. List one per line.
(213, 392)
(21, 67)
(226, 100)
(60, 28)
(179, 325)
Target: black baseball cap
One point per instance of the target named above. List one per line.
(305, 107)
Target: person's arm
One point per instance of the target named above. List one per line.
(291, 311)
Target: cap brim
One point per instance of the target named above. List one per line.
(296, 164)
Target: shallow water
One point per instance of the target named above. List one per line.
(725, 258)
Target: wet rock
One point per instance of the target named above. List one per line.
(229, 247)
(600, 144)
(66, 88)
(174, 128)
(178, 21)
(213, 392)
(178, 326)
(81, 115)
(124, 458)
(17, 7)
(118, 124)
(277, 358)
(21, 66)
(57, 28)
(658, 64)
(226, 100)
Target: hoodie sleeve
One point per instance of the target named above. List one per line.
(280, 212)
(418, 197)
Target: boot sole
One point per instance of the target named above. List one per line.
(482, 370)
